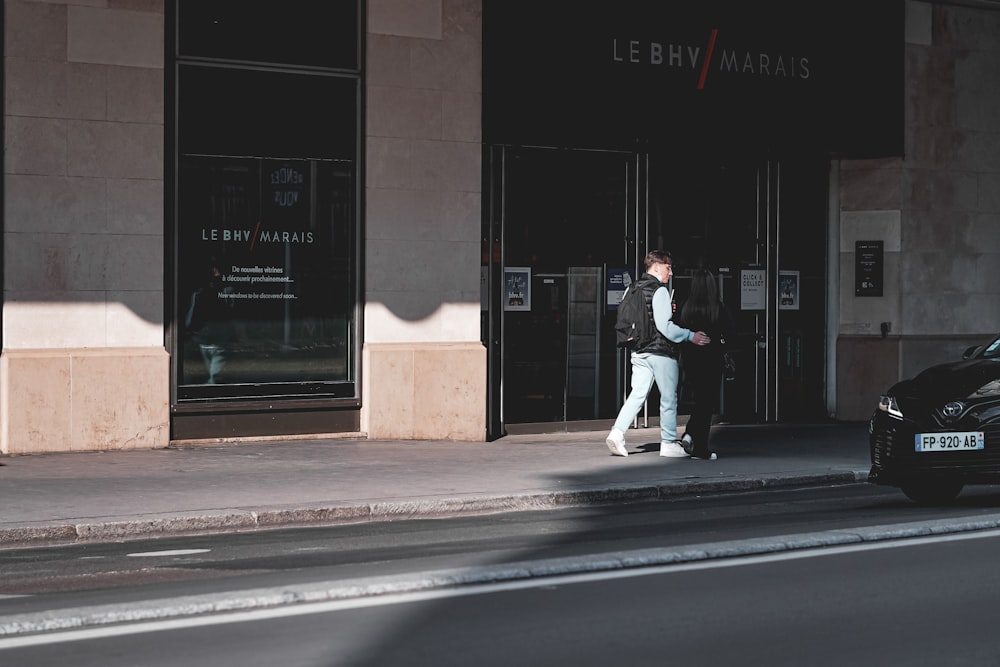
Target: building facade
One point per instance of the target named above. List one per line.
(392, 219)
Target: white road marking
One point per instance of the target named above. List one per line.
(476, 589)
(170, 552)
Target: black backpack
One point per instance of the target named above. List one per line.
(634, 326)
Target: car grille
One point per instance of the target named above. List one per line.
(892, 445)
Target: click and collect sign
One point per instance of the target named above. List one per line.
(753, 289)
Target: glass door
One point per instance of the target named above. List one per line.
(563, 226)
(560, 222)
(760, 226)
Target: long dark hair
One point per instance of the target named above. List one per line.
(703, 308)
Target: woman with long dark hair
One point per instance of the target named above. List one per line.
(703, 311)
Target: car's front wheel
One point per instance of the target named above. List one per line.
(932, 492)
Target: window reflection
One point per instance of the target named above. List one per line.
(265, 259)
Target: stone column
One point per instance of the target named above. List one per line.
(83, 363)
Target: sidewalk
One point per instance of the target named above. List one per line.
(132, 494)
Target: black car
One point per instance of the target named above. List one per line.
(934, 433)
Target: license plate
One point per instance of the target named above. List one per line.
(949, 442)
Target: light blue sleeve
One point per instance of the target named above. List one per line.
(663, 314)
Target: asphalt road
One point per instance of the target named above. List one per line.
(678, 606)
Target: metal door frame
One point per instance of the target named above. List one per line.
(637, 241)
(495, 160)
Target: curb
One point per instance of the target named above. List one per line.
(352, 592)
(418, 508)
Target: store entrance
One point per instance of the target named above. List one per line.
(562, 219)
(564, 225)
(760, 226)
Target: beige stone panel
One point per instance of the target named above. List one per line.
(387, 394)
(460, 321)
(135, 206)
(55, 204)
(435, 267)
(35, 146)
(388, 164)
(120, 399)
(135, 319)
(57, 264)
(462, 117)
(49, 89)
(919, 352)
(461, 218)
(425, 391)
(87, 3)
(869, 185)
(973, 312)
(135, 95)
(134, 262)
(114, 37)
(406, 18)
(155, 6)
(385, 324)
(55, 324)
(866, 366)
(444, 322)
(35, 414)
(450, 392)
(388, 61)
(115, 150)
(404, 113)
(870, 226)
(462, 17)
(35, 30)
(454, 64)
(403, 214)
(387, 266)
(446, 166)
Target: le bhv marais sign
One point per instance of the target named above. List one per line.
(776, 73)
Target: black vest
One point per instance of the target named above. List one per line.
(660, 343)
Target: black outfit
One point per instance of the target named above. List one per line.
(702, 378)
(209, 321)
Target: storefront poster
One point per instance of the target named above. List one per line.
(517, 288)
(618, 281)
(265, 295)
(753, 289)
(788, 290)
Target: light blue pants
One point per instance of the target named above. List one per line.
(646, 369)
(215, 359)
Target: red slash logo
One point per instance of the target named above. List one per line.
(708, 58)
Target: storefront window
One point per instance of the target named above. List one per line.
(266, 275)
(265, 203)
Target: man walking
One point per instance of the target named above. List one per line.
(656, 360)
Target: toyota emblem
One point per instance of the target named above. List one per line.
(953, 409)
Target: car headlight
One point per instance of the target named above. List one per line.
(888, 404)
(991, 388)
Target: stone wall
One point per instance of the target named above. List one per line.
(422, 221)
(937, 210)
(83, 227)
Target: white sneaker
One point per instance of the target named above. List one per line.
(673, 449)
(616, 443)
(687, 438)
